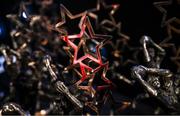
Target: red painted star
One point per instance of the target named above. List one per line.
(85, 69)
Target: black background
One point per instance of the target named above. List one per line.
(138, 17)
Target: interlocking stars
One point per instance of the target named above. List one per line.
(114, 28)
(102, 12)
(86, 70)
(173, 6)
(98, 60)
(119, 40)
(62, 26)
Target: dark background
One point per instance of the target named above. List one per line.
(138, 17)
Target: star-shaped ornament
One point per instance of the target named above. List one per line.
(66, 24)
(170, 20)
(173, 34)
(102, 12)
(87, 71)
(168, 9)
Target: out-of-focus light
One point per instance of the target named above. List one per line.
(14, 59)
(24, 15)
(2, 60)
(92, 48)
(2, 29)
(104, 52)
(1, 94)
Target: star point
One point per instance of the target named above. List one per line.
(64, 12)
(101, 6)
(171, 29)
(87, 71)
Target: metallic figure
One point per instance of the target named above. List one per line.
(159, 82)
(12, 108)
(59, 85)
